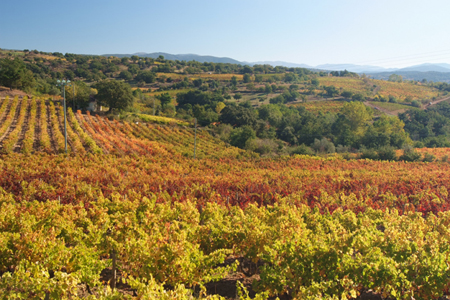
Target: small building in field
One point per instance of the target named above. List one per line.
(93, 105)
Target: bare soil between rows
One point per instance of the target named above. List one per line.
(247, 273)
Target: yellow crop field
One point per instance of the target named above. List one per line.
(321, 106)
(160, 120)
(213, 76)
(372, 87)
(392, 107)
(216, 76)
(401, 90)
(174, 76)
(354, 85)
(172, 93)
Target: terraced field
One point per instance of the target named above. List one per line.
(37, 125)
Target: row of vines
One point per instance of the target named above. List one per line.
(52, 251)
(37, 125)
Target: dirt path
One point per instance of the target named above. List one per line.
(14, 122)
(50, 129)
(83, 142)
(388, 112)
(60, 116)
(436, 102)
(396, 112)
(83, 118)
(6, 112)
(25, 125)
(37, 129)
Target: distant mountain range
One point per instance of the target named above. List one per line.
(185, 57)
(431, 72)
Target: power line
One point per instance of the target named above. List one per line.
(411, 57)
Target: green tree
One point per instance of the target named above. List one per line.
(315, 82)
(246, 78)
(164, 98)
(331, 90)
(234, 81)
(271, 113)
(197, 82)
(114, 94)
(238, 116)
(358, 116)
(240, 136)
(347, 94)
(395, 78)
(82, 93)
(125, 75)
(133, 69)
(146, 76)
(14, 74)
(358, 97)
(258, 78)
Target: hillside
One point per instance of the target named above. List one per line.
(129, 213)
(36, 125)
(372, 88)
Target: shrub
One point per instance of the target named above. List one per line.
(302, 150)
(415, 103)
(387, 153)
(428, 157)
(369, 154)
(323, 146)
(409, 154)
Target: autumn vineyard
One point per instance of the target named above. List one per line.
(130, 214)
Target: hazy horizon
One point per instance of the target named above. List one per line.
(382, 33)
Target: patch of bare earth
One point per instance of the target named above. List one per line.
(24, 129)
(50, 129)
(5, 91)
(13, 124)
(83, 118)
(6, 112)
(60, 116)
(37, 129)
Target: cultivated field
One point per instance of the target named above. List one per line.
(129, 214)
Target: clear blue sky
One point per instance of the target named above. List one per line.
(388, 33)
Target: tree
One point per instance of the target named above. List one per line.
(331, 90)
(14, 74)
(358, 97)
(146, 76)
(197, 82)
(258, 78)
(133, 69)
(219, 107)
(164, 98)
(114, 94)
(315, 82)
(270, 113)
(125, 75)
(234, 81)
(289, 77)
(238, 116)
(82, 93)
(240, 136)
(395, 78)
(246, 78)
(357, 114)
(347, 94)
